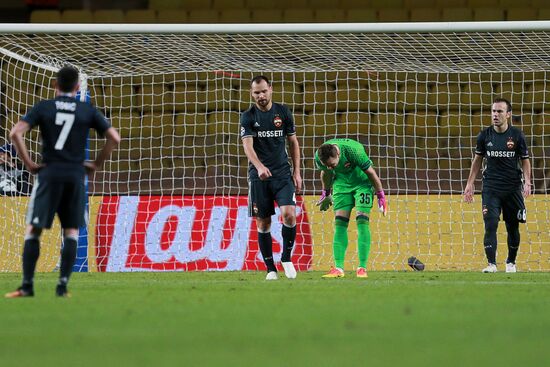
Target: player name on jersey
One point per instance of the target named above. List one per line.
(65, 106)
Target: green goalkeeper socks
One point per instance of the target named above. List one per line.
(340, 243)
(363, 240)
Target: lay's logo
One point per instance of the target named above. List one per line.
(171, 233)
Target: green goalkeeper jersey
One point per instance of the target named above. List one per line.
(349, 173)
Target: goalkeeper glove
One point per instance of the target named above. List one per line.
(382, 204)
(325, 201)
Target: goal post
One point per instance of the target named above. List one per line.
(173, 196)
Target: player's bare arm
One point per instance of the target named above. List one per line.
(469, 190)
(325, 201)
(374, 179)
(295, 156)
(113, 139)
(526, 167)
(248, 144)
(16, 136)
(327, 177)
(378, 189)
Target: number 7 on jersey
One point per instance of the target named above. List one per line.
(67, 120)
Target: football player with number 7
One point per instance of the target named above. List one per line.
(349, 181)
(59, 186)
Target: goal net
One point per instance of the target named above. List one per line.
(174, 195)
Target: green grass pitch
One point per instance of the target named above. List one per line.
(239, 319)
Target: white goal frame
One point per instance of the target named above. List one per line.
(393, 247)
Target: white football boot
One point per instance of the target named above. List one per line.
(491, 268)
(290, 271)
(272, 275)
(511, 268)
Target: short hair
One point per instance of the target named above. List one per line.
(504, 100)
(67, 79)
(327, 151)
(259, 79)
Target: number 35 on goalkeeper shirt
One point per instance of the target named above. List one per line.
(185, 233)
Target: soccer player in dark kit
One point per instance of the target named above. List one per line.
(506, 181)
(265, 127)
(59, 185)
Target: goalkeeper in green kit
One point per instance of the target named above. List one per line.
(347, 172)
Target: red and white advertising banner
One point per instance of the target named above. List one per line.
(184, 233)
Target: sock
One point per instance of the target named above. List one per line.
(490, 240)
(68, 257)
(289, 235)
(31, 252)
(513, 241)
(266, 248)
(363, 240)
(340, 242)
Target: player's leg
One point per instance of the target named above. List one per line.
(68, 258)
(288, 233)
(71, 212)
(286, 199)
(364, 199)
(363, 238)
(512, 228)
(343, 204)
(261, 205)
(265, 243)
(339, 242)
(513, 213)
(40, 214)
(31, 253)
(491, 207)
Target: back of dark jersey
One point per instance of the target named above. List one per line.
(502, 152)
(269, 131)
(64, 126)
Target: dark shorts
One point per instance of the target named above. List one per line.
(61, 194)
(511, 204)
(263, 194)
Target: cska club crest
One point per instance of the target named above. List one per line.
(277, 121)
(510, 143)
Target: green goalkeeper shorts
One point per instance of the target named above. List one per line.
(361, 197)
